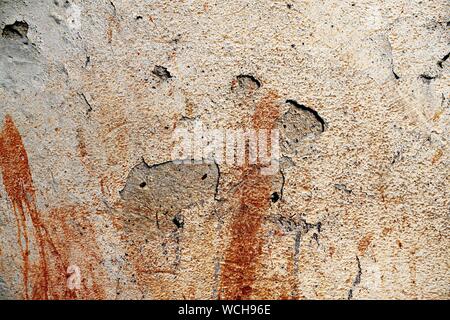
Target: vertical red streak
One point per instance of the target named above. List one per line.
(245, 246)
(19, 187)
(47, 277)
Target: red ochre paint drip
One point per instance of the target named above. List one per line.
(18, 185)
(245, 246)
(46, 277)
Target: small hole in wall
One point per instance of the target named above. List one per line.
(162, 73)
(178, 221)
(16, 31)
(274, 197)
(249, 81)
(143, 184)
(204, 176)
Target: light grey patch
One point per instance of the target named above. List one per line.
(154, 198)
(4, 292)
(56, 18)
(20, 67)
(291, 224)
(298, 227)
(217, 270)
(167, 188)
(296, 124)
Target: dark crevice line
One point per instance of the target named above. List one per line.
(356, 281)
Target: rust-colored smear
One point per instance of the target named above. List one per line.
(331, 251)
(82, 150)
(75, 243)
(437, 156)
(112, 24)
(46, 277)
(245, 246)
(364, 243)
(19, 187)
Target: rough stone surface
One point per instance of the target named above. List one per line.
(91, 93)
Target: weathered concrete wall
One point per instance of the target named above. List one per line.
(91, 93)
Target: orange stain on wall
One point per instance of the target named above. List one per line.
(44, 278)
(245, 246)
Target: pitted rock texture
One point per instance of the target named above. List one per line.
(91, 96)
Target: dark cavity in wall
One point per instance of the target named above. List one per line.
(16, 31)
(246, 84)
(246, 80)
(162, 73)
(178, 220)
(275, 197)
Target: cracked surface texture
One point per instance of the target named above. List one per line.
(92, 92)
